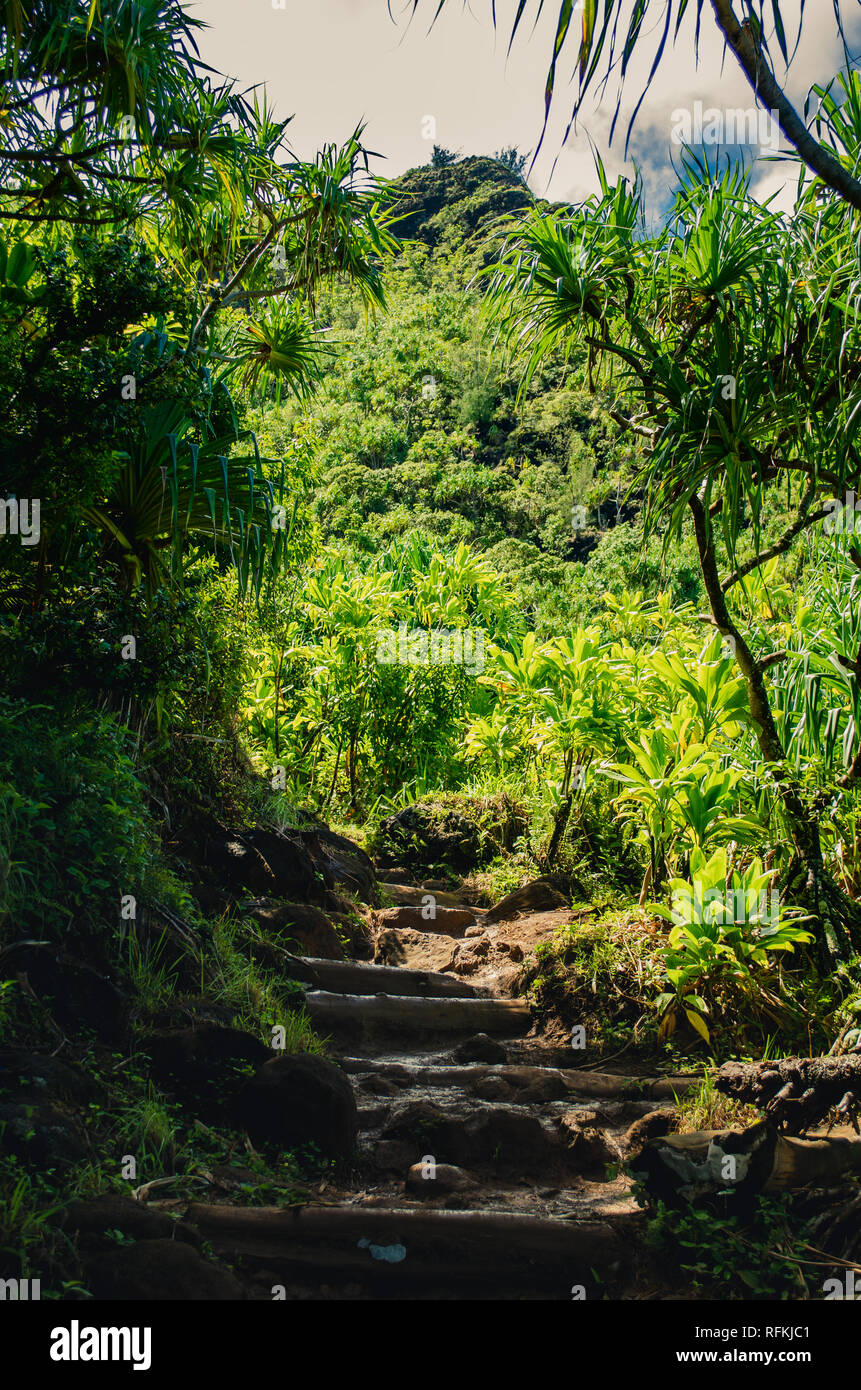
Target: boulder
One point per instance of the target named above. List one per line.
(505, 1139)
(300, 1100)
(258, 861)
(204, 1067)
(295, 873)
(79, 997)
(36, 1076)
(42, 1136)
(236, 863)
(342, 863)
(415, 949)
(426, 835)
(438, 1181)
(481, 1048)
(537, 896)
(297, 926)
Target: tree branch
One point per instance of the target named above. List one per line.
(800, 524)
(749, 54)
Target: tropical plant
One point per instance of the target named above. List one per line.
(694, 329)
(727, 923)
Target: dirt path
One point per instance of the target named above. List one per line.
(487, 1157)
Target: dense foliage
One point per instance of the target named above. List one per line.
(324, 496)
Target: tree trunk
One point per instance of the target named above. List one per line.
(837, 919)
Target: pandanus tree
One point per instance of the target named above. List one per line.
(731, 341)
(112, 126)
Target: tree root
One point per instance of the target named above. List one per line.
(798, 1092)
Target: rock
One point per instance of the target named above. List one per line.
(295, 872)
(581, 1118)
(260, 861)
(538, 896)
(89, 1221)
(417, 950)
(651, 1126)
(589, 1148)
(297, 924)
(42, 1136)
(481, 1048)
(479, 948)
(475, 930)
(403, 894)
(187, 1012)
(515, 952)
(34, 1075)
(427, 834)
(382, 1085)
(542, 1087)
(492, 1088)
(342, 862)
(467, 965)
(447, 920)
(446, 1178)
(204, 1067)
(236, 864)
(163, 1270)
(507, 1140)
(79, 997)
(300, 1099)
(300, 865)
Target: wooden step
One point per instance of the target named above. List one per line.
(407, 895)
(577, 1083)
(414, 1244)
(354, 977)
(392, 1012)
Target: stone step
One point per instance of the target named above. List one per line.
(421, 1016)
(416, 1246)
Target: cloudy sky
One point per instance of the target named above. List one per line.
(334, 63)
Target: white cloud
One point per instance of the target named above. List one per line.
(336, 62)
